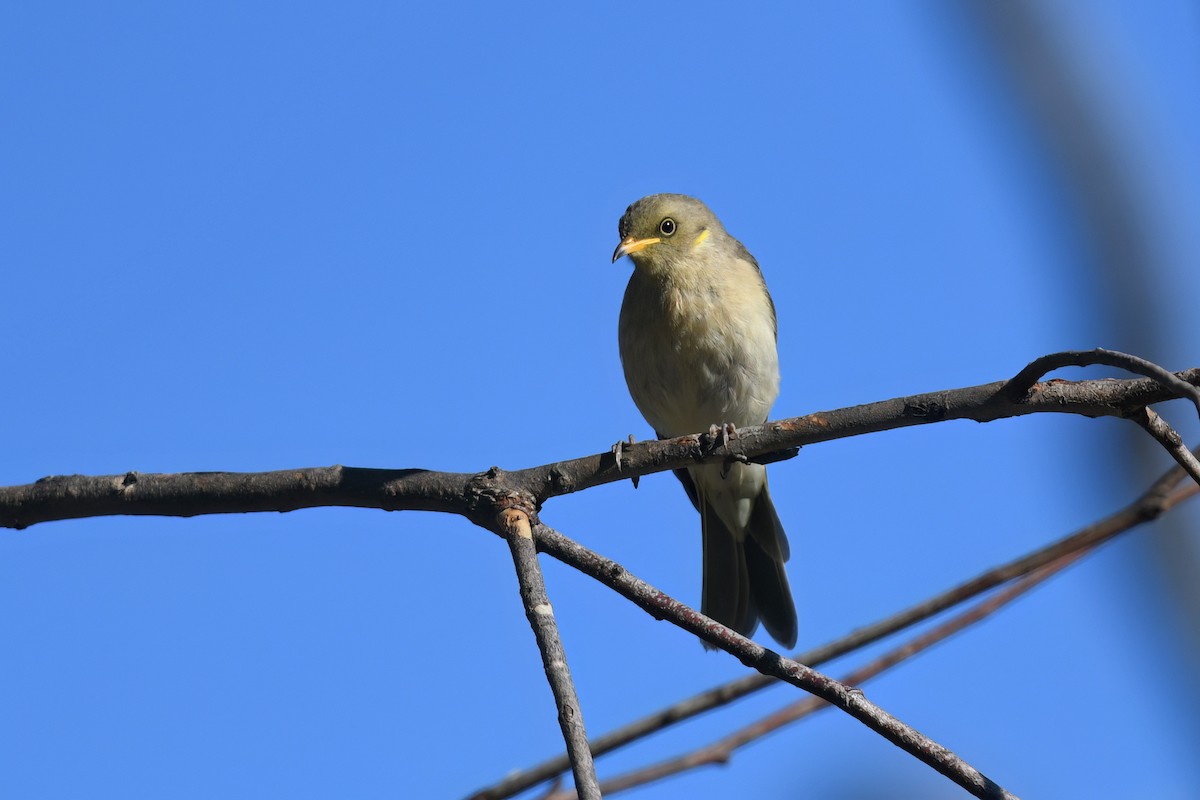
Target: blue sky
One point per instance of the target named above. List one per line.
(249, 236)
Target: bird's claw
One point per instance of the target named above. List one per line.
(618, 451)
(726, 433)
(727, 464)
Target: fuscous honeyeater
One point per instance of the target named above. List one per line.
(698, 344)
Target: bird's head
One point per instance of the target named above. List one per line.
(662, 230)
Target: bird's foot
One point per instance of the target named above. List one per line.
(725, 434)
(618, 451)
(727, 465)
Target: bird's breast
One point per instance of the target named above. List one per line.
(701, 351)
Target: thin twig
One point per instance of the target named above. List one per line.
(1019, 388)
(552, 789)
(768, 662)
(1167, 436)
(515, 525)
(722, 750)
(1158, 499)
(1024, 380)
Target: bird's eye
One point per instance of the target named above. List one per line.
(667, 227)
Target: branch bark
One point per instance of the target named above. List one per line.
(473, 495)
(514, 526)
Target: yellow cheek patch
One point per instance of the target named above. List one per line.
(699, 240)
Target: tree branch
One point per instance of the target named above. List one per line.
(1171, 441)
(768, 662)
(1155, 501)
(487, 497)
(1021, 383)
(472, 495)
(722, 750)
(513, 524)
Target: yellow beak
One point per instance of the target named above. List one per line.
(630, 245)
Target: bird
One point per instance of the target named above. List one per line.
(698, 341)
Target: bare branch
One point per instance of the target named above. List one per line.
(768, 662)
(514, 524)
(1157, 500)
(1024, 380)
(1165, 435)
(482, 497)
(722, 750)
(192, 494)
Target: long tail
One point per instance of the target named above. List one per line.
(744, 576)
